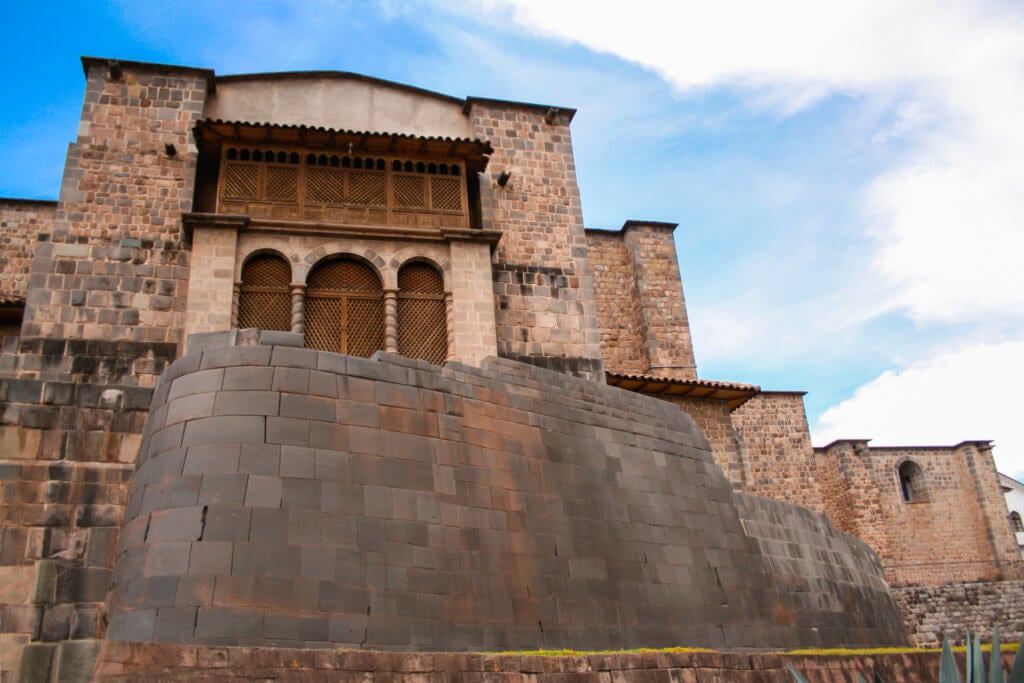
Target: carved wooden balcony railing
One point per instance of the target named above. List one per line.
(295, 184)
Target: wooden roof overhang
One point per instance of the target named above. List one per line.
(212, 132)
(733, 394)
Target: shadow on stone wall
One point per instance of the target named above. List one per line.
(295, 498)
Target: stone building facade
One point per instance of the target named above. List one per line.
(356, 216)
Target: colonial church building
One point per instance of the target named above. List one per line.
(350, 215)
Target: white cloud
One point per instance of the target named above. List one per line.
(964, 394)
(948, 220)
(944, 220)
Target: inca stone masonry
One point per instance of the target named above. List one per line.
(319, 360)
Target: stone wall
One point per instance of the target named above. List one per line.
(779, 459)
(113, 267)
(660, 290)
(641, 311)
(930, 611)
(829, 571)
(67, 453)
(543, 287)
(715, 419)
(21, 222)
(959, 510)
(617, 305)
(289, 496)
(121, 661)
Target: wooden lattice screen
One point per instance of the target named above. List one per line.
(344, 308)
(422, 326)
(264, 301)
(300, 185)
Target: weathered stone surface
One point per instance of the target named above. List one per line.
(120, 661)
(584, 516)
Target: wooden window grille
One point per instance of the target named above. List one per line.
(422, 324)
(347, 189)
(344, 308)
(264, 300)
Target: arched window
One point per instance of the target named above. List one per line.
(264, 301)
(912, 482)
(1015, 522)
(344, 308)
(422, 324)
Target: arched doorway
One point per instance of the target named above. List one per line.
(344, 308)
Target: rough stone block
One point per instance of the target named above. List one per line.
(200, 382)
(229, 429)
(223, 489)
(291, 431)
(226, 523)
(298, 462)
(248, 378)
(167, 559)
(180, 524)
(260, 459)
(210, 558)
(36, 662)
(246, 403)
(229, 623)
(263, 491)
(175, 625)
(296, 628)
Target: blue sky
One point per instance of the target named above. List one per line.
(847, 177)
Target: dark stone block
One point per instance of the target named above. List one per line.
(231, 623)
(167, 559)
(248, 379)
(174, 624)
(223, 489)
(231, 429)
(236, 355)
(201, 382)
(24, 391)
(56, 624)
(210, 558)
(193, 591)
(294, 358)
(296, 628)
(247, 403)
(303, 494)
(226, 523)
(83, 584)
(263, 491)
(85, 623)
(288, 431)
(340, 598)
(260, 459)
(21, 619)
(179, 524)
(36, 662)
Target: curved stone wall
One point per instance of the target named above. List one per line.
(291, 497)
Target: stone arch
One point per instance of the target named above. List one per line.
(271, 246)
(434, 257)
(331, 249)
(913, 481)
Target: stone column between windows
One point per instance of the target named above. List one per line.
(391, 320)
(298, 291)
(449, 319)
(236, 294)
